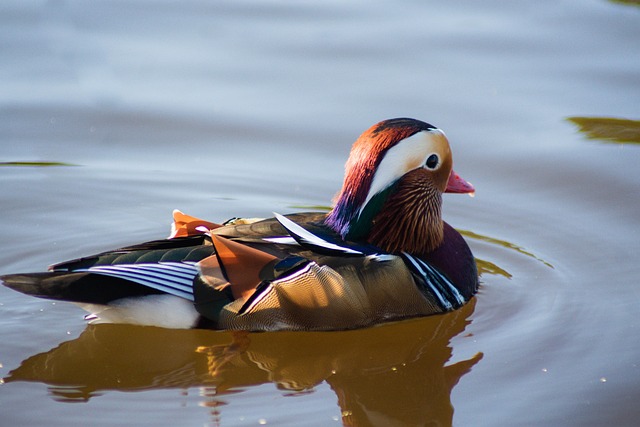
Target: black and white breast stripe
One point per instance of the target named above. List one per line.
(175, 278)
(447, 295)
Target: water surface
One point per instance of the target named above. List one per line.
(113, 114)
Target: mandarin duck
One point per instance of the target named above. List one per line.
(382, 253)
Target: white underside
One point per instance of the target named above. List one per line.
(166, 311)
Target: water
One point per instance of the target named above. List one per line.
(247, 108)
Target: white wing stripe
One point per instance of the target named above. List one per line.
(169, 289)
(173, 278)
(179, 273)
(183, 284)
(284, 240)
(309, 237)
(151, 270)
(144, 279)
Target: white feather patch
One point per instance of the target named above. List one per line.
(165, 311)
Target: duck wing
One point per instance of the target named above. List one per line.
(155, 267)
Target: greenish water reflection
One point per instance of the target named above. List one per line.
(36, 164)
(609, 129)
(627, 2)
(487, 267)
(504, 244)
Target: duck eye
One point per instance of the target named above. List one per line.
(432, 161)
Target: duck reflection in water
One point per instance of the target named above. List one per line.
(394, 374)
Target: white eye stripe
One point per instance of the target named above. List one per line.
(407, 155)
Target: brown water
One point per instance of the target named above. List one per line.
(247, 108)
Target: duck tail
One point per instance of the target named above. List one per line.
(80, 287)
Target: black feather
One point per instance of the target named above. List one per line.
(75, 287)
(177, 249)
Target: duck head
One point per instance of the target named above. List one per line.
(392, 192)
